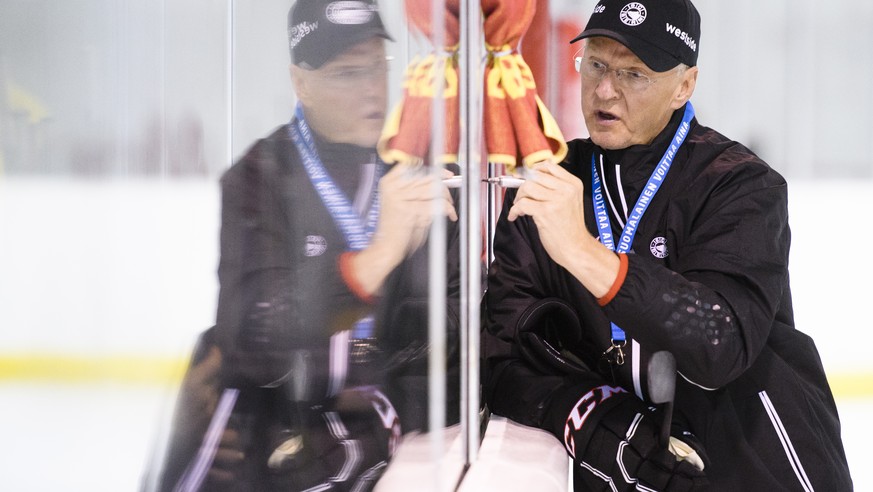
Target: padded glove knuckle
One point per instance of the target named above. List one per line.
(613, 437)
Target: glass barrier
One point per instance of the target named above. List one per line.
(179, 308)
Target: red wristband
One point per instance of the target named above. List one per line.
(619, 280)
(348, 276)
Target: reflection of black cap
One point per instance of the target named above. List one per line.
(319, 30)
(662, 33)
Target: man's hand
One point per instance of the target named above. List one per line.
(407, 195)
(227, 465)
(554, 198)
(198, 399)
(198, 394)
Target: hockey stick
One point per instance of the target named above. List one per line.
(662, 389)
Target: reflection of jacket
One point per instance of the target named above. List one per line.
(282, 294)
(284, 317)
(752, 387)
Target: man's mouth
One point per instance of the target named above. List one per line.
(605, 117)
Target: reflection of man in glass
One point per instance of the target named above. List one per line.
(321, 331)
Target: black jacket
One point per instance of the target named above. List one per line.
(751, 387)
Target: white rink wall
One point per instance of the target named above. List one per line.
(115, 267)
(99, 267)
(94, 270)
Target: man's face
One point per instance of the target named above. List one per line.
(345, 99)
(618, 116)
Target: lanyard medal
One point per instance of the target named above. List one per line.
(357, 230)
(625, 240)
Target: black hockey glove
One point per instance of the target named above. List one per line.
(546, 333)
(344, 445)
(613, 439)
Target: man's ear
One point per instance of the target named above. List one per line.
(685, 88)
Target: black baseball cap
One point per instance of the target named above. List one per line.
(662, 33)
(319, 30)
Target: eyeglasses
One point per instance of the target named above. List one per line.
(625, 79)
(354, 75)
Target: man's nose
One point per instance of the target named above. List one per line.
(606, 87)
(373, 90)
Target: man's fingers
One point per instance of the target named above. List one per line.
(544, 188)
(217, 476)
(206, 371)
(450, 211)
(230, 437)
(229, 457)
(414, 188)
(533, 190)
(522, 207)
(550, 168)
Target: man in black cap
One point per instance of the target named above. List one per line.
(656, 234)
(321, 333)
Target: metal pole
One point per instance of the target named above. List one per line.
(230, 38)
(437, 274)
(470, 107)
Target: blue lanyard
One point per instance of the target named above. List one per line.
(356, 232)
(604, 226)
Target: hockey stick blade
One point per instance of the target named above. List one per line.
(662, 388)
